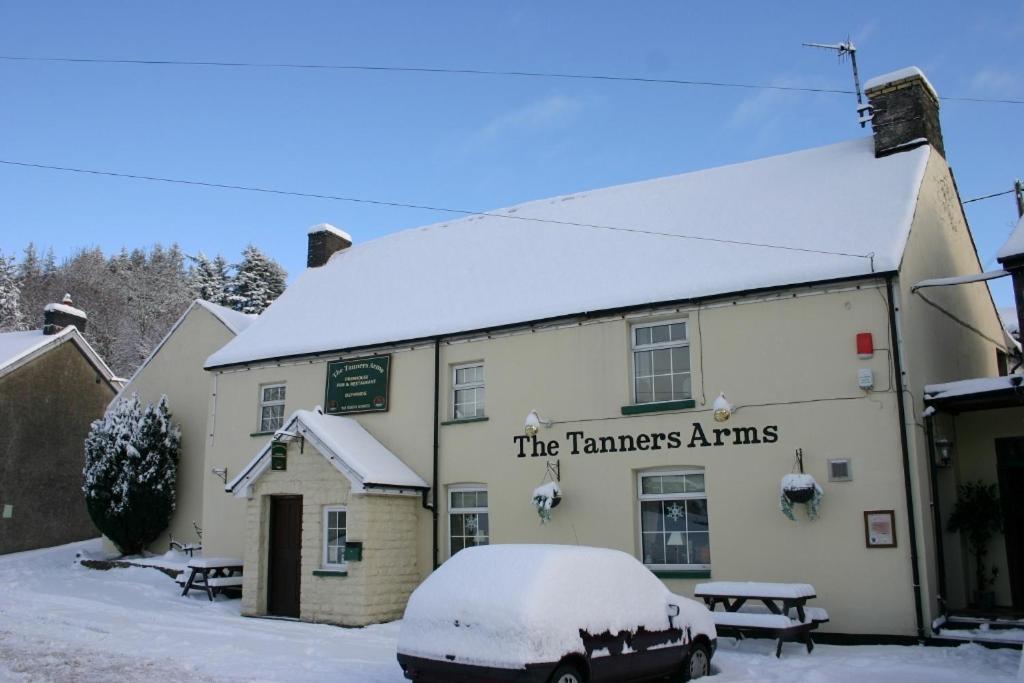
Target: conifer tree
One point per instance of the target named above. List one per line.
(11, 317)
(131, 467)
(258, 281)
(209, 279)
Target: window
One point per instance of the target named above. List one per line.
(468, 391)
(334, 536)
(271, 407)
(674, 520)
(661, 362)
(468, 523)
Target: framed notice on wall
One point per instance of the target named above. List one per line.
(357, 386)
(880, 529)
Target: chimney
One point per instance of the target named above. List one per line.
(324, 241)
(905, 111)
(58, 316)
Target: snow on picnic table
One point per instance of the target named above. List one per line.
(60, 621)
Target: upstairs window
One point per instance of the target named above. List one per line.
(468, 391)
(271, 407)
(661, 362)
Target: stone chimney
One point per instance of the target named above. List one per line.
(324, 241)
(58, 316)
(905, 111)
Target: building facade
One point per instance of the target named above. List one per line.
(618, 317)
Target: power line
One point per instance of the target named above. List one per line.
(425, 207)
(988, 196)
(464, 72)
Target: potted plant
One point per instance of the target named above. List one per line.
(799, 488)
(978, 514)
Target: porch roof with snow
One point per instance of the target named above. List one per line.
(828, 213)
(1013, 248)
(353, 451)
(982, 393)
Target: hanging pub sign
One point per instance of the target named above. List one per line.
(358, 386)
(279, 456)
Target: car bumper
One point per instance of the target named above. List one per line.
(435, 671)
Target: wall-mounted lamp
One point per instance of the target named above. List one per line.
(533, 423)
(943, 452)
(221, 472)
(723, 409)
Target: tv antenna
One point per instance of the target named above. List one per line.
(844, 50)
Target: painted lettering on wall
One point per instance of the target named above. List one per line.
(577, 442)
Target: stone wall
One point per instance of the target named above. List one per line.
(372, 590)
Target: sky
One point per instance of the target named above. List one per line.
(462, 141)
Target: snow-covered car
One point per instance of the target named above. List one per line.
(567, 614)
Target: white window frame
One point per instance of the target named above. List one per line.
(468, 488)
(456, 387)
(323, 558)
(263, 404)
(634, 348)
(641, 497)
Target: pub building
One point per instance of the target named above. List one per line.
(404, 398)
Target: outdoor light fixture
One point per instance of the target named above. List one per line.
(943, 452)
(533, 423)
(723, 409)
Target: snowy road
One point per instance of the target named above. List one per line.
(62, 622)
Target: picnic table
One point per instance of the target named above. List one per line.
(211, 574)
(774, 617)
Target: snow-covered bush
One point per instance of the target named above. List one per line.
(131, 465)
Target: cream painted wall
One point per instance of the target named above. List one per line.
(938, 348)
(177, 371)
(794, 348)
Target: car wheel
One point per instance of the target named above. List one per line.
(566, 673)
(698, 664)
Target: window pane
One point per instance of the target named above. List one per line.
(477, 373)
(483, 524)
(674, 483)
(457, 499)
(653, 549)
(678, 332)
(642, 363)
(662, 361)
(681, 386)
(663, 387)
(460, 376)
(681, 359)
(659, 334)
(644, 390)
(650, 515)
(457, 526)
(643, 335)
(700, 548)
(675, 548)
(481, 499)
(694, 483)
(697, 515)
(650, 484)
(675, 515)
(457, 545)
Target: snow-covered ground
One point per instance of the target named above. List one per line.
(60, 621)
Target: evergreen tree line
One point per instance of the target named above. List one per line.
(133, 297)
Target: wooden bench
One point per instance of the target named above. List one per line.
(783, 614)
(212, 575)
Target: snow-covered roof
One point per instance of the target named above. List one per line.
(831, 212)
(327, 227)
(232, 319)
(18, 348)
(899, 75)
(971, 387)
(1008, 316)
(509, 605)
(352, 450)
(1014, 246)
(64, 308)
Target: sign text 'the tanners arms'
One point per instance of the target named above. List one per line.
(578, 442)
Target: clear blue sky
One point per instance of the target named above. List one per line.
(463, 141)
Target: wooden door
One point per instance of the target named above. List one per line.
(284, 556)
(1010, 461)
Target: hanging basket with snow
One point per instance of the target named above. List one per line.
(798, 488)
(545, 497)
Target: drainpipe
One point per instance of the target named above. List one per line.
(940, 555)
(905, 446)
(437, 422)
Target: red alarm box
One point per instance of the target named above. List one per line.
(865, 345)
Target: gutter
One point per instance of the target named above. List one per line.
(905, 447)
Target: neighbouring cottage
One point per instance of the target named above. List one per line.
(52, 386)
(679, 345)
(175, 368)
